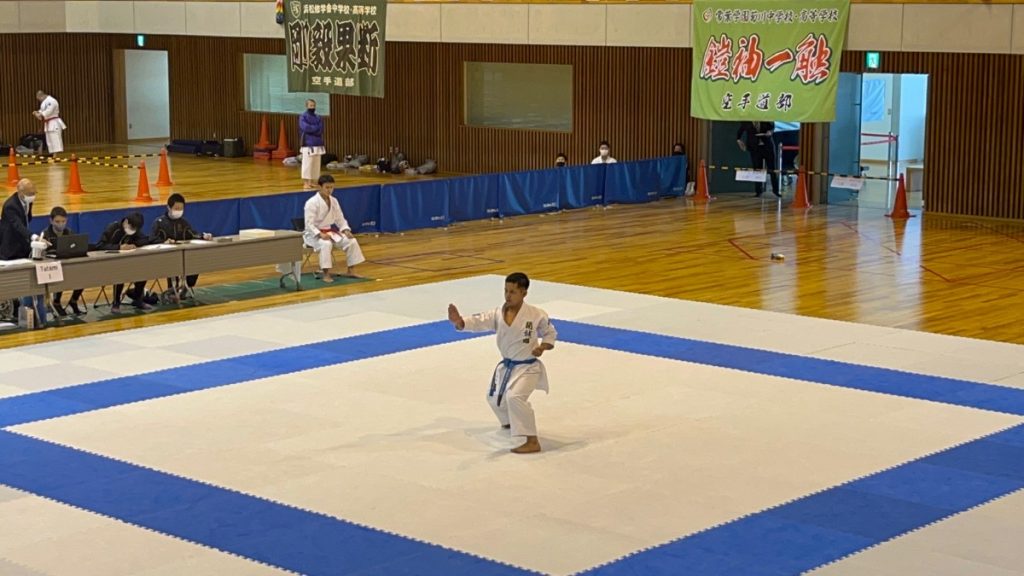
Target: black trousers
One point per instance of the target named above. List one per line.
(138, 292)
(75, 296)
(763, 158)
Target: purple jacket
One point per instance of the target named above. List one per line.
(311, 129)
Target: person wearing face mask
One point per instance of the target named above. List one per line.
(59, 227)
(604, 154)
(561, 161)
(15, 239)
(125, 235)
(172, 228)
(311, 144)
(678, 149)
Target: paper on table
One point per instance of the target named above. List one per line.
(157, 247)
(198, 241)
(14, 262)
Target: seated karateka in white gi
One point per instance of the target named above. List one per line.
(326, 228)
(524, 333)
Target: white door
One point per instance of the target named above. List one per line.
(147, 94)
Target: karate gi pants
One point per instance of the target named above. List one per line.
(55, 141)
(515, 410)
(311, 162)
(353, 253)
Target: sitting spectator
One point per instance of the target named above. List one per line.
(59, 227)
(172, 228)
(125, 235)
(604, 154)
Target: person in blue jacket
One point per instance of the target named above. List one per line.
(311, 144)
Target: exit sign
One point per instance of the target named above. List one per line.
(872, 60)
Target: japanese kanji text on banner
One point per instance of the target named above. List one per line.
(770, 60)
(336, 46)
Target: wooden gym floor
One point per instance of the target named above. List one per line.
(933, 273)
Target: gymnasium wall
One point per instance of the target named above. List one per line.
(982, 26)
(638, 98)
(974, 131)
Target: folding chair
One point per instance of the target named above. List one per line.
(299, 225)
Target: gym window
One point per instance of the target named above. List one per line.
(266, 88)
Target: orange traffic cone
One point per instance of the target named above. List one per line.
(899, 206)
(164, 177)
(800, 199)
(12, 169)
(264, 143)
(702, 184)
(75, 184)
(282, 151)
(143, 193)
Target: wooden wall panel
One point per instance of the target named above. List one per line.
(637, 98)
(973, 132)
(75, 68)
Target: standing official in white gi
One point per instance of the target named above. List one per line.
(524, 333)
(326, 228)
(53, 126)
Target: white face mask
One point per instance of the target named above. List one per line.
(60, 228)
(128, 230)
(30, 199)
(175, 214)
(604, 152)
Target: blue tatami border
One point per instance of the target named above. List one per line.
(789, 539)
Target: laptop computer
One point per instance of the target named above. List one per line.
(72, 246)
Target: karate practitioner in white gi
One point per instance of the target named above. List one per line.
(326, 228)
(524, 334)
(53, 126)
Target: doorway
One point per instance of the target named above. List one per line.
(879, 133)
(142, 95)
(726, 152)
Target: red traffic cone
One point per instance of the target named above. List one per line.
(143, 193)
(282, 151)
(75, 183)
(899, 206)
(800, 199)
(12, 169)
(702, 194)
(264, 143)
(164, 176)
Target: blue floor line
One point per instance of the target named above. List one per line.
(72, 400)
(265, 531)
(868, 378)
(798, 536)
(821, 528)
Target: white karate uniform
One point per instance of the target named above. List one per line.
(53, 126)
(601, 160)
(311, 161)
(321, 216)
(530, 328)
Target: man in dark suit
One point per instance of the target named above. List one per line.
(15, 239)
(756, 138)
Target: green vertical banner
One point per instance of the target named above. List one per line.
(768, 60)
(336, 46)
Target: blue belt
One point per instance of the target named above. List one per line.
(509, 365)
